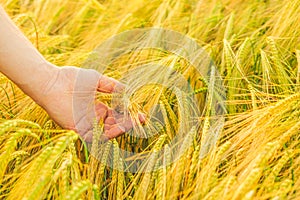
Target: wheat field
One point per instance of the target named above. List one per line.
(254, 153)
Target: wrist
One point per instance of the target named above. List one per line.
(38, 83)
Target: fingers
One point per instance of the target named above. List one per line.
(109, 85)
(142, 118)
(116, 124)
(114, 131)
(101, 111)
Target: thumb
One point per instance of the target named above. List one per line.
(109, 85)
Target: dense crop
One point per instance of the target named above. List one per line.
(256, 155)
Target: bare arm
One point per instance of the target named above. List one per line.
(20, 61)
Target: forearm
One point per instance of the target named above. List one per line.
(20, 61)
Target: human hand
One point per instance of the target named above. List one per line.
(69, 99)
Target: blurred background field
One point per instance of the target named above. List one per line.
(255, 45)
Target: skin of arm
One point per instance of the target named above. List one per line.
(19, 60)
(66, 93)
